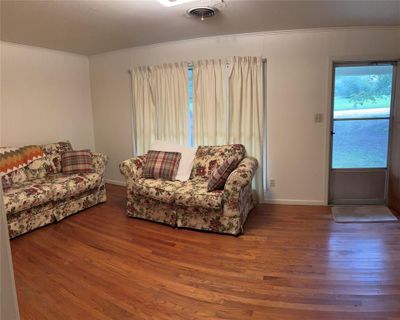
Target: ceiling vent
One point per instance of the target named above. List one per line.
(202, 12)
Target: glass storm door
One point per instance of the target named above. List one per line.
(360, 130)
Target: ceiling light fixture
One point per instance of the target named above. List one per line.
(207, 11)
(202, 12)
(171, 3)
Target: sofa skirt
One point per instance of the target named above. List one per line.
(197, 218)
(24, 221)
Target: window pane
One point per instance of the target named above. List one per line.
(360, 144)
(362, 91)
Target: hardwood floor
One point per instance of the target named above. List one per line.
(292, 262)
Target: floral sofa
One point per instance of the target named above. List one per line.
(189, 204)
(39, 194)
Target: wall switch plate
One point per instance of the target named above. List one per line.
(318, 117)
(272, 183)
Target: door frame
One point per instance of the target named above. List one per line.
(366, 62)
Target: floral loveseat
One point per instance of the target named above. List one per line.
(39, 194)
(189, 204)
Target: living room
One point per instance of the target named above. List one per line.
(255, 236)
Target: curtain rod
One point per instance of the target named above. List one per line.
(190, 64)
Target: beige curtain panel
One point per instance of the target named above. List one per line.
(246, 110)
(160, 102)
(210, 112)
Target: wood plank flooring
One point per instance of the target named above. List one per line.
(292, 262)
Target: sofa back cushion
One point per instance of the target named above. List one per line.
(14, 163)
(55, 150)
(57, 147)
(50, 164)
(39, 168)
(210, 158)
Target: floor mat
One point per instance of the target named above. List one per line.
(356, 214)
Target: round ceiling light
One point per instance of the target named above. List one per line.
(202, 12)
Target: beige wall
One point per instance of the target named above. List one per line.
(45, 97)
(298, 86)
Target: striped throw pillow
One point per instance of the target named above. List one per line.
(220, 175)
(77, 161)
(161, 164)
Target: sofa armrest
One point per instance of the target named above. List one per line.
(240, 177)
(133, 167)
(100, 161)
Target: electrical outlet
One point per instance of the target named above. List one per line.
(272, 183)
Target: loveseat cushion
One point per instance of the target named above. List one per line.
(194, 194)
(209, 158)
(66, 186)
(27, 195)
(157, 189)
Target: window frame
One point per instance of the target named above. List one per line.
(333, 120)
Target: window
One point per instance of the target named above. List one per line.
(361, 116)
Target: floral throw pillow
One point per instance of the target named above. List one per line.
(161, 164)
(220, 175)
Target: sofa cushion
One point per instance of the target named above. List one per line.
(13, 178)
(43, 167)
(56, 149)
(66, 186)
(209, 158)
(194, 194)
(157, 189)
(27, 195)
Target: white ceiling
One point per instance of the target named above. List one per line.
(94, 26)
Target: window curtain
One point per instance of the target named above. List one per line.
(160, 97)
(246, 111)
(210, 103)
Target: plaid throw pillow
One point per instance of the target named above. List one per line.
(220, 175)
(160, 164)
(77, 161)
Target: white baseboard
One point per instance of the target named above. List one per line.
(296, 202)
(116, 182)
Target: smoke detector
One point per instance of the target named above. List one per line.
(202, 12)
